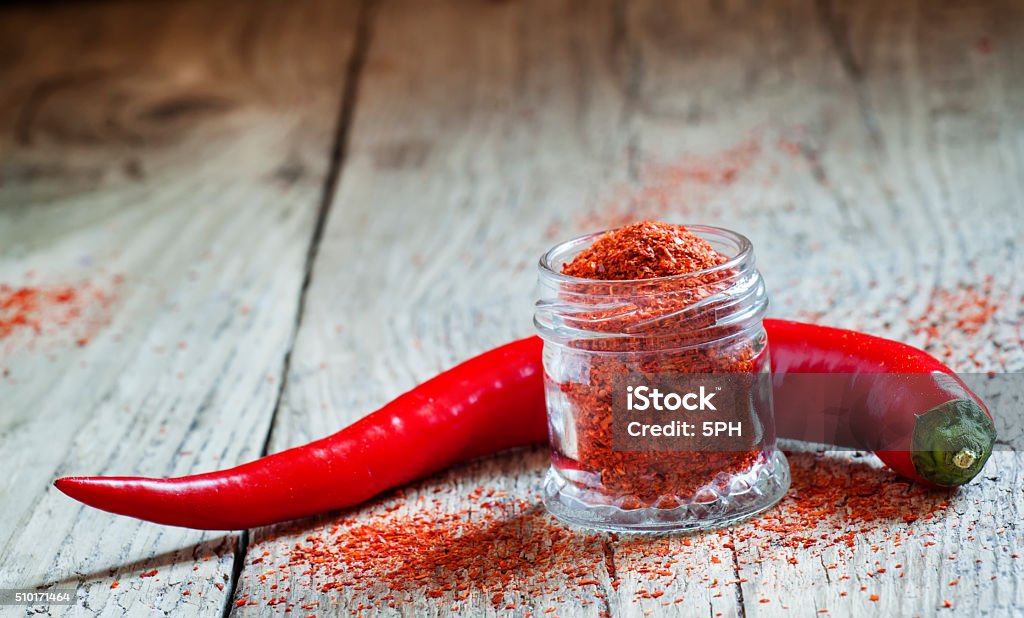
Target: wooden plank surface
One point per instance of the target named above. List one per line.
(162, 167)
(872, 151)
(484, 134)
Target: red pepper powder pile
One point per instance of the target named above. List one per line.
(644, 250)
(656, 346)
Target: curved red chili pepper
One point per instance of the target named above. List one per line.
(495, 401)
(865, 392)
(490, 403)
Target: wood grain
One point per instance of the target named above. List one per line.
(172, 156)
(832, 135)
(176, 155)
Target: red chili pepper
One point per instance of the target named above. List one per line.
(495, 401)
(876, 394)
(490, 403)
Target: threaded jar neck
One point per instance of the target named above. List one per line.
(691, 309)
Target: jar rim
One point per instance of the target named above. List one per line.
(746, 249)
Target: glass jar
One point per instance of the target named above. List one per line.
(700, 455)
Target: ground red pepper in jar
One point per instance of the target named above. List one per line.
(658, 301)
(644, 250)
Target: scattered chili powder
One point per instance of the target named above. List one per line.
(36, 310)
(505, 550)
(966, 309)
(691, 180)
(20, 307)
(663, 342)
(509, 550)
(149, 573)
(491, 547)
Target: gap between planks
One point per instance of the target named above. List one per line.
(339, 149)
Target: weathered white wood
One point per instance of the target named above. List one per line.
(856, 145)
(890, 199)
(476, 124)
(872, 151)
(174, 155)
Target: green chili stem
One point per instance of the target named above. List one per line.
(964, 459)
